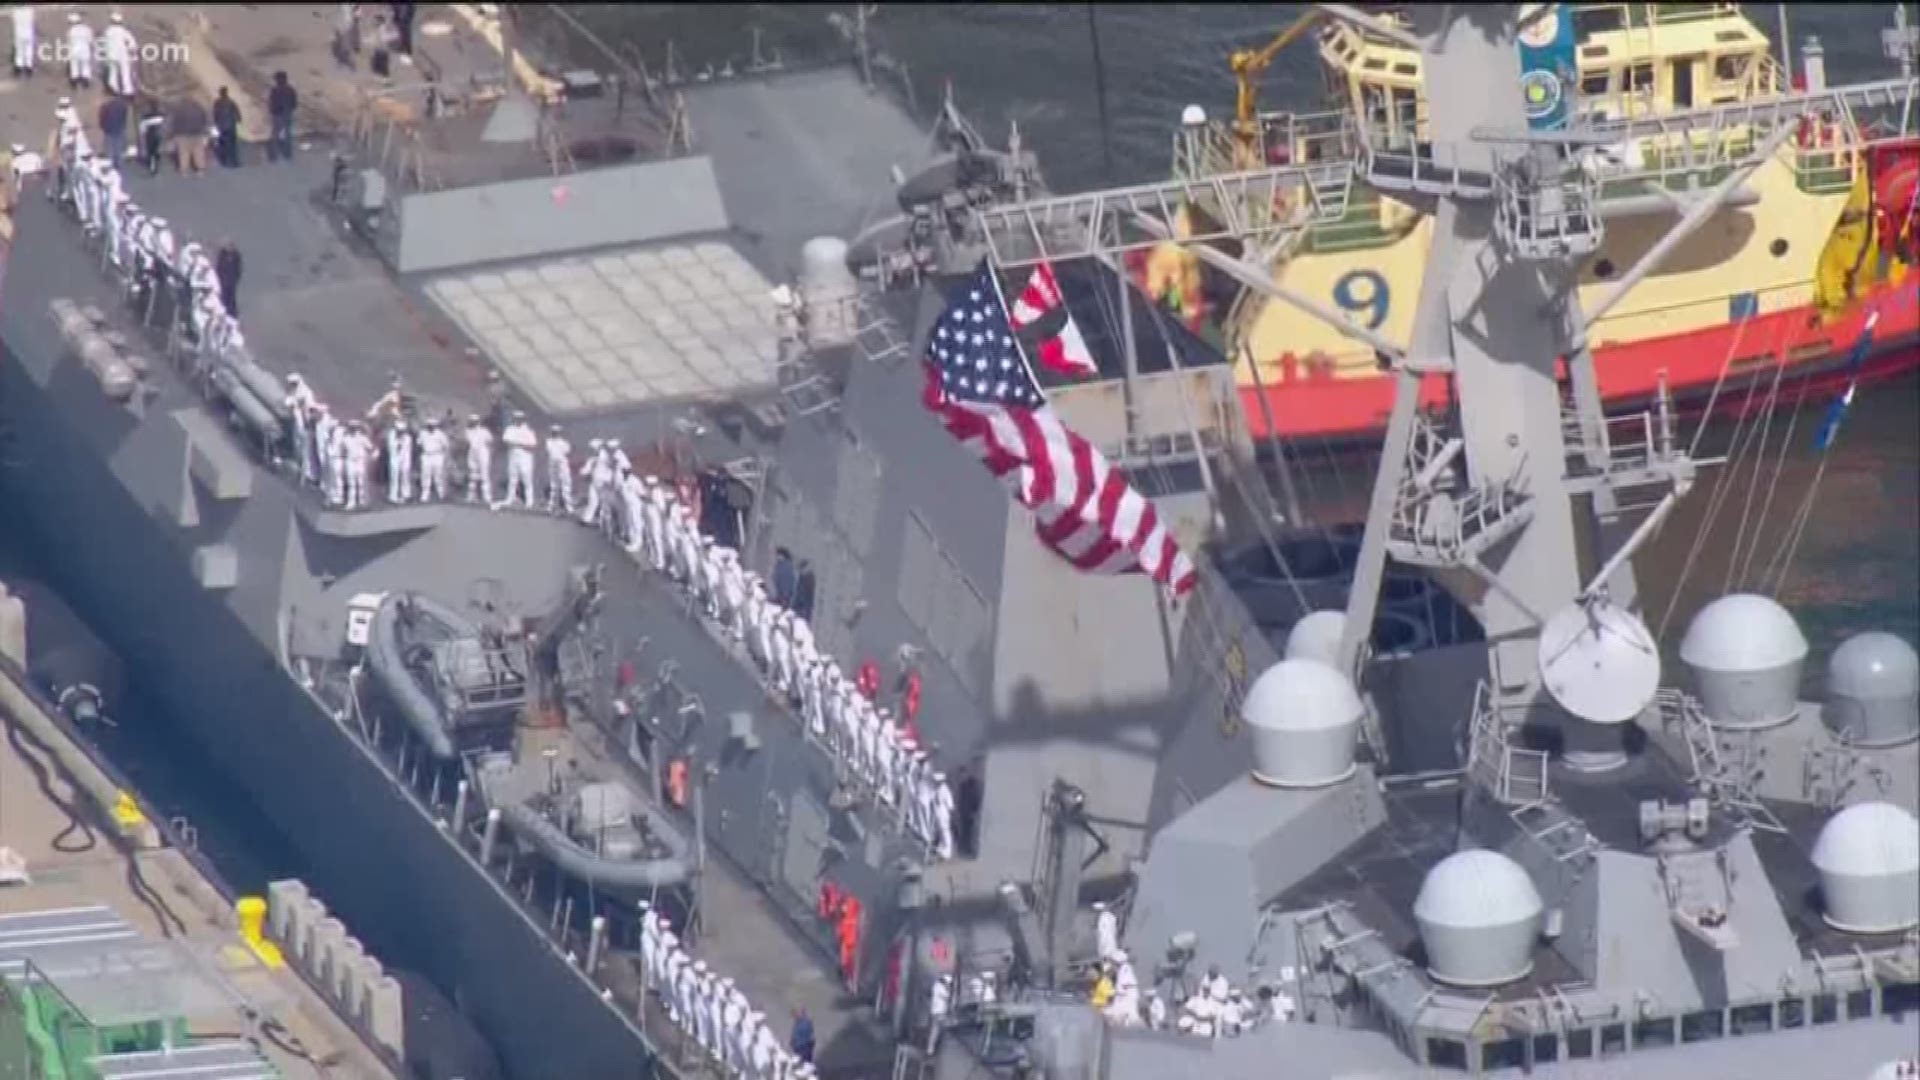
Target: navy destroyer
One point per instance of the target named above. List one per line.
(1475, 836)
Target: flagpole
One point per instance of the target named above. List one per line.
(1100, 90)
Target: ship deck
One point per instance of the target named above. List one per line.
(121, 957)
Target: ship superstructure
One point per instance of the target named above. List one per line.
(1737, 296)
(1539, 862)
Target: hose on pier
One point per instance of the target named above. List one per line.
(31, 751)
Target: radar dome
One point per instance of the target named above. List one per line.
(1745, 652)
(1868, 856)
(829, 290)
(1873, 690)
(1304, 717)
(1317, 637)
(1479, 914)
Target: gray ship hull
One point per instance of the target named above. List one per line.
(110, 549)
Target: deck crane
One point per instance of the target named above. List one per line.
(1248, 65)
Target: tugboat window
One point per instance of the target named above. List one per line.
(1777, 248)
(1505, 1054)
(1546, 1048)
(1826, 1008)
(1900, 998)
(1701, 1026)
(1613, 1039)
(1579, 1044)
(1859, 1004)
(1793, 1013)
(1640, 77)
(1598, 20)
(1597, 84)
(1446, 1053)
(1653, 1034)
(1752, 1019)
(1603, 269)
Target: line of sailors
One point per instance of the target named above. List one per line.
(1215, 1009)
(142, 248)
(710, 1009)
(877, 752)
(655, 524)
(115, 48)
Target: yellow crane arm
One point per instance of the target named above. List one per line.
(1248, 64)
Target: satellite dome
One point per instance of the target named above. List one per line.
(1478, 913)
(1873, 690)
(1305, 719)
(828, 288)
(1193, 116)
(1746, 652)
(1868, 856)
(1317, 637)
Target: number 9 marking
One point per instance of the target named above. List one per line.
(1365, 291)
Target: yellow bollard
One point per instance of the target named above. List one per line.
(126, 813)
(253, 920)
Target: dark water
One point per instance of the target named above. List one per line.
(1858, 562)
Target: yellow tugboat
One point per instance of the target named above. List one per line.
(1745, 294)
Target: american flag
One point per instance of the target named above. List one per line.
(1062, 350)
(981, 387)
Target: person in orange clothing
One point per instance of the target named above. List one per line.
(848, 934)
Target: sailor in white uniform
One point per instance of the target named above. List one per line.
(559, 472)
(1124, 1009)
(653, 515)
(649, 942)
(434, 446)
(337, 461)
(25, 41)
(479, 461)
(520, 442)
(804, 652)
(117, 47)
(942, 817)
(116, 226)
(919, 797)
(678, 993)
(687, 539)
(733, 594)
(300, 401)
(1106, 931)
(326, 437)
(669, 952)
(359, 465)
(399, 462)
(939, 1003)
(590, 472)
(869, 759)
(732, 1012)
(766, 1052)
(79, 52)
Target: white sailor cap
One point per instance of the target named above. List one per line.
(158, 223)
(725, 981)
(433, 421)
(115, 17)
(700, 966)
(919, 755)
(518, 415)
(473, 418)
(122, 197)
(73, 18)
(645, 905)
(321, 406)
(18, 149)
(595, 444)
(1099, 905)
(939, 777)
(1119, 956)
(65, 102)
(782, 295)
(707, 540)
(651, 481)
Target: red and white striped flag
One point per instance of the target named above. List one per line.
(1066, 351)
(981, 387)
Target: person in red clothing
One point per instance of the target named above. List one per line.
(848, 934)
